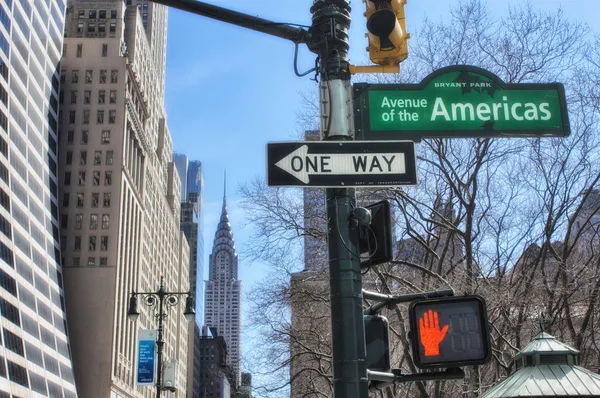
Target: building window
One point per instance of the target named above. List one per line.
(72, 117)
(109, 158)
(91, 261)
(92, 243)
(95, 196)
(104, 46)
(80, 29)
(67, 178)
(92, 14)
(65, 199)
(88, 75)
(62, 71)
(102, 14)
(64, 219)
(91, 27)
(84, 137)
(87, 96)
(105, 221)
(106, 201)
(77, 244)
(79, 52)
(69, 157)
(74, 96)
(114, 76)
(105, 137)
(100, 118)
(113, 97)
(81, 13)
(102, 76)
(103, 261)
(61, 98)
(86, 117)
(81, 180)
(80, 197)
(102, 29)
(104, 243)
(112, 28)
(101, 96)
(108, 178)
(96, 178)
(97, 158)
(113, 14)
(82, 158)
(112, 116)
(78, 221)
(93, 221)
(75, 76)
(70, 135)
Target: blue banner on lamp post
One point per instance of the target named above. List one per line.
(145, 374)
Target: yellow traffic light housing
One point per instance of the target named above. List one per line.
(387, 35)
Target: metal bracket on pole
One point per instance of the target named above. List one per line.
(388, 300)
(381, 380)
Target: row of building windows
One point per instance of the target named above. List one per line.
(92, 241)
(98, 14)
(108, 160)
(87, 97)
(91, 261)
(91, 28)
(89, 75)
(105, 221)
(112, 117)
(80, 199)
(104, 138)
(81, 176)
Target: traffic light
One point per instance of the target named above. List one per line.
(449, 332)
(387, 35)
(378, 343)
(375, 240)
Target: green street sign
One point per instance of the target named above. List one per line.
(459, 101)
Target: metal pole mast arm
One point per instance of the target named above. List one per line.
(285, 31)
(388, 300)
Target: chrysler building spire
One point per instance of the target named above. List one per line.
(223, 290)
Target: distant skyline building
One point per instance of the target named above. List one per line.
(35, 358)
(120, 191)
(223, 293)
(192, 222)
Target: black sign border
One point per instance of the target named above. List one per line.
(361, 110)
(449, 364)
(277, 177)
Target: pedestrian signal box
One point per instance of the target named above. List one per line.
(449, 332)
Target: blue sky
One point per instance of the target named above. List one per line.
(230, 90)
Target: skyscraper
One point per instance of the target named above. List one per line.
(190, 174)
(192, 222)
(120, 193)
(223, 303)
(35, 356)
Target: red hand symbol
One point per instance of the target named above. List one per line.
(431, 335)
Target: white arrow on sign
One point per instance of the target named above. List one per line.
(302, 165)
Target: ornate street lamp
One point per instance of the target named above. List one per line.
(160, 301)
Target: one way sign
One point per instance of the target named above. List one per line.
(338, 164)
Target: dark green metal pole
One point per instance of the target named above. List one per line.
(329, 39)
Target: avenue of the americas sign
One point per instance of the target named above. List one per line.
(335, 164)
(459, 101)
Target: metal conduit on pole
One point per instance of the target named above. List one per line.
(329, 39)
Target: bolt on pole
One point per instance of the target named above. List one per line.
(329, 39)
